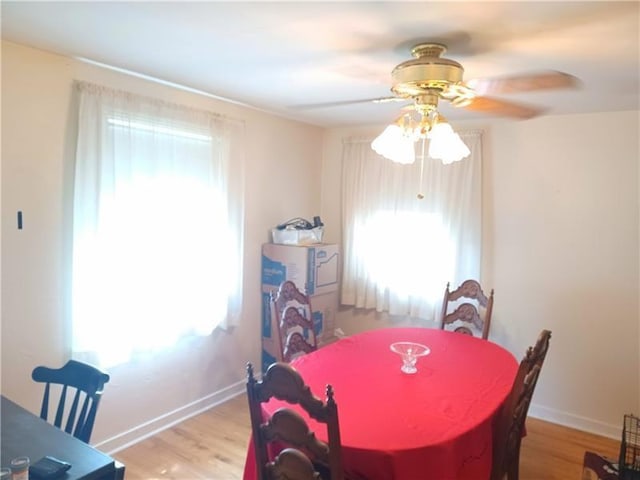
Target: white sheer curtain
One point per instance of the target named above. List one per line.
(157, 224)
(399, 250)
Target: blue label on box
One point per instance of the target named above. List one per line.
(273, 272)
(311, 280)
(267, 360)
(317, 318)
(266, 315)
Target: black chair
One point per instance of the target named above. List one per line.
(88, 382)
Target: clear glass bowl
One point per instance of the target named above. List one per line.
(410, 352)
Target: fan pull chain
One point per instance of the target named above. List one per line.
(420, 194)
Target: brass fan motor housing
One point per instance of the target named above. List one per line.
(426, 73)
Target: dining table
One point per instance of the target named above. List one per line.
(435, 424)
(26, 434)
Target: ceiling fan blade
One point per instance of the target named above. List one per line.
(527, 82)
(501, 108)
(310, 106)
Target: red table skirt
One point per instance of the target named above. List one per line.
(436, 424)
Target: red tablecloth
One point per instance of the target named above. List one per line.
(433, 425)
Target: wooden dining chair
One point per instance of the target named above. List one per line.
(81, 381)
(511, 422)
(467, 317)
(296, 334)
(292, 464)
(288, 427)
(538, 352)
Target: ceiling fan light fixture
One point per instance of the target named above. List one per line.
(396, 144)
(428, 78)
(397, 141)
(444, 143)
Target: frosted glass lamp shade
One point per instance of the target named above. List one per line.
(394, 144)
(446, 145)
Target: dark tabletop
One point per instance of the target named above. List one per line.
(25, 434)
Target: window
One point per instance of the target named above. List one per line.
(399, 250)
(157, 225)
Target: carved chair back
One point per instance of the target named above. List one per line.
(288, 427)
(291, 464)
(538, 352)
(467, 317)
(292, 310)
(511, 424)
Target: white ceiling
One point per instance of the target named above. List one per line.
(277, 55)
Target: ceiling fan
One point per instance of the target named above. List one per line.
(429, 77)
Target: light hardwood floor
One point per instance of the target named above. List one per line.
(213, 445)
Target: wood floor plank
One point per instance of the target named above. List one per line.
(213, 445)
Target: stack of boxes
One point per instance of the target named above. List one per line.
(314, 270)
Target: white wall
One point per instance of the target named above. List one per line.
(37, 144)
(560, 247)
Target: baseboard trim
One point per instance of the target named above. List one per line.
(156, 425)
(576, 421)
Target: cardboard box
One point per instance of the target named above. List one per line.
(324, 312)
(314, 269)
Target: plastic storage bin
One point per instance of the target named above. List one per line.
(297, 236)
